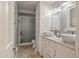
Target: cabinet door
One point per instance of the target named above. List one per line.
(78, 53)
(43, 44)
(40, 45)
(49, 48)
(63, 52)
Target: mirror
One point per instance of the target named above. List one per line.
(68, 17)
(72, 16)
(63, 22)
(56, 20)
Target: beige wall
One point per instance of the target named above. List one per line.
(6, 28)
(45, 17)
(43, 20)
(77, 23)
(37, 24)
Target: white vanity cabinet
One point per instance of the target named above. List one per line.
(42, 46)
(49, 48)
(63, 51)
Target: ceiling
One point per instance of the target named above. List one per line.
(57, 4)
(28, 5)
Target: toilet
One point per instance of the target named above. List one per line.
(33, 43)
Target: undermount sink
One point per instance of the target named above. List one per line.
(69, 38)
(47, 34)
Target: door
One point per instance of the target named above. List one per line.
(27, 28)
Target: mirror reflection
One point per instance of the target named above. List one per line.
(63, 22)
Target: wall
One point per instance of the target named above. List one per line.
(45, 17)
(26, 11)
(77, 23)
(43, 21)
(37, 25)
(6, 28)
(16, 26)
(77, 28)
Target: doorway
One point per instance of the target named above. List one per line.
(27, 28)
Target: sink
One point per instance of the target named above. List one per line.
(47, 34)
(69, 38)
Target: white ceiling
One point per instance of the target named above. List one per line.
(28, 5)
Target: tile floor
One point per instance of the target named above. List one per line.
(27, 52)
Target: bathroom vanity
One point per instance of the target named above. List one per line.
(61, 40)
(55, 47)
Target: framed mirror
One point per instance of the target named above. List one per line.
(72, 16)
(68, 15)
(68, 21)
(56, 20)
(63, 22)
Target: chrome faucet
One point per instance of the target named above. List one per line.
(56, 32)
